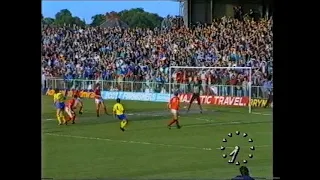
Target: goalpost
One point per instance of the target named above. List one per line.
(175, 69)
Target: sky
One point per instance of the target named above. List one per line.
(87, 9)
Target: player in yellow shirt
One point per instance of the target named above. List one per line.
(118, 112)
(58, 100)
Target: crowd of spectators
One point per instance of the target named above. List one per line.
(136, 54)
(172, 22)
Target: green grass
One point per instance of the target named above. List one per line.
(96, 148)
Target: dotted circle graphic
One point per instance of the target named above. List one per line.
(237, 149)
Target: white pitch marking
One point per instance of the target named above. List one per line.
(255, 113)
(49, 119)
(131, 142)
(203, 119)
(263, 114)
(139, 142)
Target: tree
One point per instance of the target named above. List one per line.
(76, 20)
(97, 20)
(65, 17)
(137, 17)
(48, 21)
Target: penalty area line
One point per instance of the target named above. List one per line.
(255, 113)
(48, 119)
(139, 142)
(128, 142)
(263, 114)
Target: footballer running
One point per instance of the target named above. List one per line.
(118, 112)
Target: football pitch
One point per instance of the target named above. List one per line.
(96, 148)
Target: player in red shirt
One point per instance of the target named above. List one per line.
(70, 107)
(77, 93)
(98, 100)
(174, 106)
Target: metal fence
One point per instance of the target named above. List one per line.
(159, 87)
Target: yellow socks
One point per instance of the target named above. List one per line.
(123, 124)
(59, 119)
(63, 118)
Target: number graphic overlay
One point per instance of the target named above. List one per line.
(234, 154)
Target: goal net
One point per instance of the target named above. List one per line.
(220, 86)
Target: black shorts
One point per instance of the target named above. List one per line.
(195, 96)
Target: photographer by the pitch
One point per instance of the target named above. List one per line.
(244, 171)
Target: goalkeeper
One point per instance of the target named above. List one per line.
(195, 88)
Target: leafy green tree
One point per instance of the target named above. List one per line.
(137, 17)
(48, 21)
(97, 19)
(76, 20)
(65, 17)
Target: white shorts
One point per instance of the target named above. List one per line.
(174, 112)
(79, 99)
(98, 100)
(69, 112)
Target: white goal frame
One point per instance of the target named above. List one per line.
(188, 67)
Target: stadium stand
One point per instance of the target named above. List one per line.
(97, 53)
